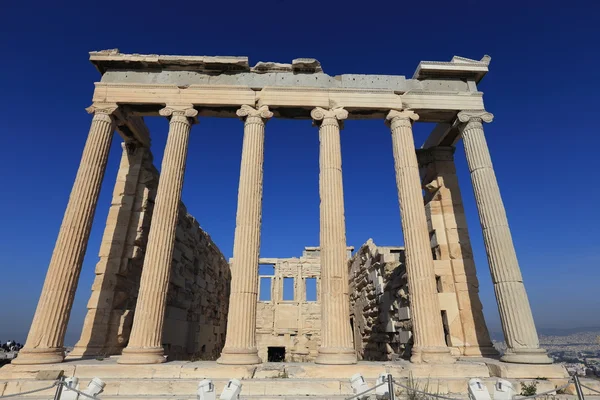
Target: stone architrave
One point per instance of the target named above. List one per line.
(240, 342)
(336, 335)
(145, 344)
(45, 341)
(515, 313)
(429, 344)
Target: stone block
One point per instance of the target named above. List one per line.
(526, 371)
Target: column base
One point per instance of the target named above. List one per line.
(336, 356)
(85, 352)
(526, 356)
(142, 355)
(433, 355)
(480, 351)
(239, 357)
(39, 356)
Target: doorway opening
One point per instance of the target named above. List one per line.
(276, 354)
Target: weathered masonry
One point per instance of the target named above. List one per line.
(184, 88)
(288, 315)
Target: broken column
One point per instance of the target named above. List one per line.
(428, 332)
(515, 313)
(45, 341)
(240, 342)
(336, 336)
(145, 341)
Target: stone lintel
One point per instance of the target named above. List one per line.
(131, 127)
(444, 134)
(287, 102)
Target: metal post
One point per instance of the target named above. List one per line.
(391, 386)
(59, 388)
(578, 387)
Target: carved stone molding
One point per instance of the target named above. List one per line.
(401, 118)
(467, 116)
(182, 112)
(248, 113)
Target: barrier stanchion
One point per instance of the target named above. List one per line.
(391, 386)
(578, 388)
(59, 387)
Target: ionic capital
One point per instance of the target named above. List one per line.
(468, 116)
(102, 111)
(397, 118)
(180, 113)
(322, 116)
(246, 113)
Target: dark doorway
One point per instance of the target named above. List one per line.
(276, 354)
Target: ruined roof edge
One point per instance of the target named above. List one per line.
(112, 58)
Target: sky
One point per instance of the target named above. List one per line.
(544, 140)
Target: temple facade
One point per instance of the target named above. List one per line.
(445, 313)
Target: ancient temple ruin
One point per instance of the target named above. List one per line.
(173, 315)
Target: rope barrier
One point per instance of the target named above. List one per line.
(543, 393)
(589, 388)
(57, 383)
(438, 396)
(6, 396)
(366, 391)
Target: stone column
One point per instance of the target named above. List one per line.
(428, 332)
(145, 341)
(45, 341)
(240, 342)
(336, 336)
(515, 313)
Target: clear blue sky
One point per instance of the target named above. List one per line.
(542, 87)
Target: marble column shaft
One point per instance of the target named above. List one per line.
(515, 312)
(240, 343)
(429, 343)
(336, 335)
(145, 341)
(45, 341)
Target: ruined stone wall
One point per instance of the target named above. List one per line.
(293, 324)
(458, 288)
(379, 304)
(198, 296)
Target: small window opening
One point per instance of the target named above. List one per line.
(288, 289)
(438, 283)
(446, 328)
(266, 269)
(264, 293)
(311, 289)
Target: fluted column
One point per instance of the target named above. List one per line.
(428, 332)
(45, 341)
(240, 342)
(336, 336)
(145, 341)
(515, 313)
